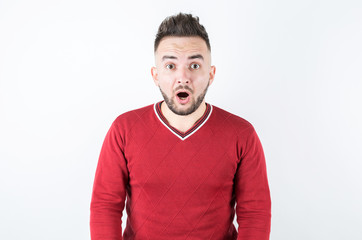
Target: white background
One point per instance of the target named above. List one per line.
(69, 68)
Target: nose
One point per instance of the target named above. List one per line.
(183, 76)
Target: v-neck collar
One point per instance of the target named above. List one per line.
(192, 130)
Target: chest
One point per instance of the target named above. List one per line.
(163, 164)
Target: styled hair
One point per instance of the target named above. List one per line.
(181, 25)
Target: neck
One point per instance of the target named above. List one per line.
(182, 122)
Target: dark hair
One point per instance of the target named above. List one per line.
(181, 25)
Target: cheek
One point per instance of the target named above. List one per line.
(165, 81)
(201, 80)
(165, 86)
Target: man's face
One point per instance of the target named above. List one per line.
(183, 72)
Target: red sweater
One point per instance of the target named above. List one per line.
(181, 185)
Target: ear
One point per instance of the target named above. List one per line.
(212, 74)
(154, 75)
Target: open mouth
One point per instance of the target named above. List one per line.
(182, 95)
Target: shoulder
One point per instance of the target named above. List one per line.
(128, 119)
(240, 130)
(232, 121)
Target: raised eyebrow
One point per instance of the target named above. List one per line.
(168, 57)
(197, 56)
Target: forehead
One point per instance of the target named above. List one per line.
(182, 45)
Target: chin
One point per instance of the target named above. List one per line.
(184, 109)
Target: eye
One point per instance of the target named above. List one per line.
(195, 66)
(170, 66)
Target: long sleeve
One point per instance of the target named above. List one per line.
(109, 189)
(253, 204)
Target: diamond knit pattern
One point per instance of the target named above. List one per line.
(180, 189)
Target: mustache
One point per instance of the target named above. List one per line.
(184, 88)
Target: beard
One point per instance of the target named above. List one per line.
(195, 104)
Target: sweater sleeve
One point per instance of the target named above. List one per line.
(109, 189)
(253, 204)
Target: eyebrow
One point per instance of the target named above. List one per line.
(197, 56)
(168, 57)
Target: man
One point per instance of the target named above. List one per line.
(182, 164)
